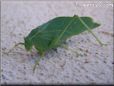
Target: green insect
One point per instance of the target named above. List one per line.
(56, 31)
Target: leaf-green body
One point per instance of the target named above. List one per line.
(53, 33)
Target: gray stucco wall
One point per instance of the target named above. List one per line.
(18, 18)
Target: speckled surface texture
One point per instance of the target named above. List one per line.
(92, 65)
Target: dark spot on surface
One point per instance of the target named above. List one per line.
(96, 53)
(4, 48)
(64, 51)
(87, 76)
(81, 55)
(76, 79)
(65, 54)
(55, 49)
(31, 55)
(41, 74)
(27, 54)
(82, 40)
(88, 40)
(63, 64)
(69, 40)
(80, 49)
(66, 76)
(104, 61)
(107, 33)
(86, 61)
(96, 62)
(71, 57)
(25, 78)
(69, 54)
(24, 67)
(3, 77)
(85, 54)
(86, 51)
(20, 34)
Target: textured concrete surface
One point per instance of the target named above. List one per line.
(92, 65)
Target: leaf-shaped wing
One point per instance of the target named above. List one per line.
(56, 31)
